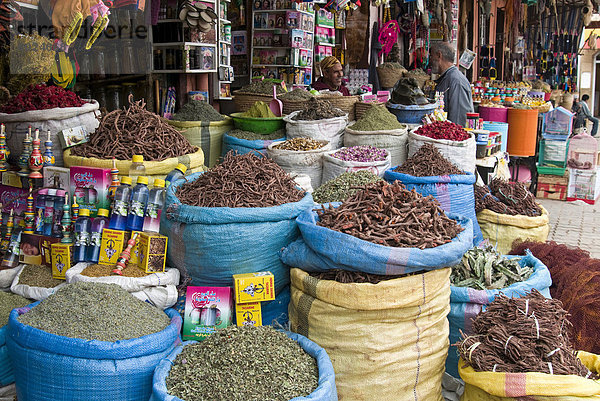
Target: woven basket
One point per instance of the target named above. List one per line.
(361, 108)
(389, 76)
(344, 103)
(289, 106)
(243, 101)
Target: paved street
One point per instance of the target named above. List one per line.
(575, 224)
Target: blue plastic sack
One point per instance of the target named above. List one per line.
(326, 390)
(276, 312)
(466, 303)
(454, 192)
(214, 243)
(48, 367)
(322, 249)
(6, 373)
(243, 146)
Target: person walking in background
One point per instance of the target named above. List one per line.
(453, 83)
(585, 110)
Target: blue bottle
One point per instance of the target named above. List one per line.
(118, 218)
(83, 226)
(177, 173)
(156, 201)
(139, 201)
(93, 248)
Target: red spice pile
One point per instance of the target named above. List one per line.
(42, 97)
(576, 282)
(443, 130)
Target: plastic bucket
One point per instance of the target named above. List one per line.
(498, 114)
(411, 114)
(502, 128)
(522, 132)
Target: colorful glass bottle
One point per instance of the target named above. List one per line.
(24, 158)
(114, 172)
(74, 211)
(66, 224)
(49, 159)
(125, 256)
(36, 160)
(3, 149)
(8, 233)
(30, 214)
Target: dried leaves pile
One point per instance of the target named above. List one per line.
(521, 335)
(428, 162)
(134, 131)
(241, 181)
(318, 109)
(505, 197)
(390, 215)
(346, 276)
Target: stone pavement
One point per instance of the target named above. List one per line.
(575, 224)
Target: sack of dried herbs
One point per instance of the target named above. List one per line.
(35, 282)
(8, 302)
(300, 156)
(461, 153)
(355, 158)
(245, 141)
(467, 302)
(219, 368)
(393, 140)
(89, 342)
(329, 129)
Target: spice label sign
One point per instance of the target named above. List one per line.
(111, 246)
(254, 287)
(90, 187)
(206, 310)
(61, 259)
(249, 314)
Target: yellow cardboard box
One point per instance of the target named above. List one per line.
(254, 287)
(249, 314)
(152, 252)
(111, 247)
(62, 257)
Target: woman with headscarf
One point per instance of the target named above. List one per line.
(331, 76)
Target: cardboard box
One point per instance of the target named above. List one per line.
(12, 179)
(206, 310)
(36, 249)
(90, 187)
(13, 198)
(249, 314)
(113, 242)
(152, 252)
(254, 287)
(62, 258)
(58, 175)
(73, 136)
(551, 191)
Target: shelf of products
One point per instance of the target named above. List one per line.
(282, 41)
(225, 75)
(324, 34)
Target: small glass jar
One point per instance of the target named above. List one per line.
(158, 60)
(113, 97)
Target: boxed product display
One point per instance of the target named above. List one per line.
(583, 185)
(35, 249)
(152, 248)
(254, 287)
(73, 136)
(112, 245)
(249, 314)
(90, 187)
(62, 259)
(206, 310)
(324, 18)
(57, 177)
(13, 198)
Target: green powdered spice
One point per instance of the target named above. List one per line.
(259, 110)
(8, 302)
(296, 94)
(264, 87)
(196, 110)
(38, 276)
(241, 364)
(343, 186)
(377, 118)
(253, 136)
(95, 311)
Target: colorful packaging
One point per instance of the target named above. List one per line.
(90, 187)
(12, 179)
(62, 259)
(249, 314)
(73, 136)
(206, 310)
(113, 242)
(58, 175)
(13, 198)
(152, 249)
(36, 249)
(134, 259)
(254, 287)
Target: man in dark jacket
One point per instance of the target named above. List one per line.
(455, 86)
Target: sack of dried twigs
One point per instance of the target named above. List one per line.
(386, 341)
(503, 229)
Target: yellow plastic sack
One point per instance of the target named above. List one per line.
(208, 136)
(194, 162)
(491, 386)
(502, 229)
(386, 341)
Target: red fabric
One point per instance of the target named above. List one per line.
(320, 85)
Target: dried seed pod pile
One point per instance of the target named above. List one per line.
(346, 276)
(522, 335)
(428, 162)
(38, 276)
(134, 131)
(486, 269)
(96, 270)
(505, 197)
(241, 181)
(241, 364)
(390, 215)
(300, 144)
(318, 109)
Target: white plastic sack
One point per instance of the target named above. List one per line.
(462, 154)
(7, 276)
(303, 181)
(309, 162)
(130, 284)
(55, 120)
(394, 141)
(162, 297)
(37, 293)
(330, 129)
(334, 167)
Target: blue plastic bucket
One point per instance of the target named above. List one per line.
(412, 114)
(502, 128)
